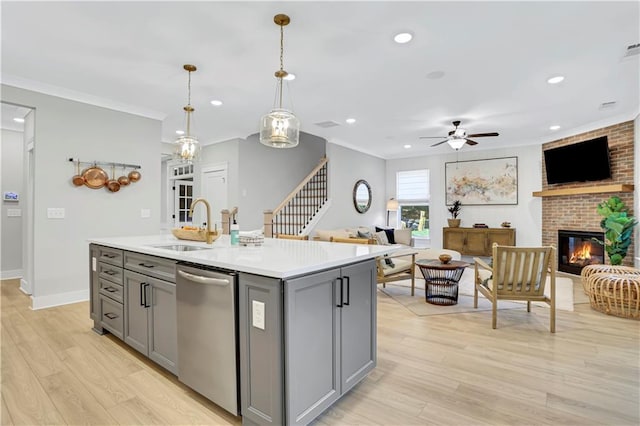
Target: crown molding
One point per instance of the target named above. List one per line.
(73, 95)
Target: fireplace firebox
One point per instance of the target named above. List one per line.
(577, 249)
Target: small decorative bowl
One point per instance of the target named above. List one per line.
(445, 258)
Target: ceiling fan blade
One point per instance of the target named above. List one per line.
(482, 135)
(470, 142)
(431, 137)
(440, 143)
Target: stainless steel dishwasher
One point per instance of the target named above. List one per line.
(207, 333)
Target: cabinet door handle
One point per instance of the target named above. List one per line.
(111, 289)
(339, 305)
(110, 272)
(109, 256)
(146, 286)
(145, 265)
(348, 291)
(142, 294)
(110, 315)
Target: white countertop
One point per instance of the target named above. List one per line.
(274, 258)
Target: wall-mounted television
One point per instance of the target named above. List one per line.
(578, 162)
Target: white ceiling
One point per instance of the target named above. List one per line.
(495, 56)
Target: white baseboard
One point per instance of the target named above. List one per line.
(24, 286)
(11, 274)
(42, 302)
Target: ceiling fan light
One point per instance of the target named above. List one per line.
(460, 133)
(456, 143)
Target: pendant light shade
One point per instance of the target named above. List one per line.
(280, 128)
(456, 143)
(187, 147)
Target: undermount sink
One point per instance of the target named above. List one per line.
(182, 247)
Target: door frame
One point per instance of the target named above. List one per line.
(214, 167)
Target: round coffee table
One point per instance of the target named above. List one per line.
(441, 280)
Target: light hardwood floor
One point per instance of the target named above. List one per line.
(439, 369)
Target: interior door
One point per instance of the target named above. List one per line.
(215, 191)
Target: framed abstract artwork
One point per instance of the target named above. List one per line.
(482, 182)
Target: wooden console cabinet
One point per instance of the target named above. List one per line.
(477, 241)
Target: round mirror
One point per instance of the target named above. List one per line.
(362, 196)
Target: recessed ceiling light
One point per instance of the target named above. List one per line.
(555, 79)
(407, 146)
(179, 132)
(216, 102)
(18, 120)
(350, 120)
(290, 76)
(554, 127)
(402, 38)
(435, 75)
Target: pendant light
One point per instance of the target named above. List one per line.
(280, 128)
(187, 147)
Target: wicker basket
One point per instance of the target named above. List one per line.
(192, 235)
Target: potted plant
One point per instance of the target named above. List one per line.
(454, 222)
(618, 229)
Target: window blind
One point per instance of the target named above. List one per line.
(412, 186)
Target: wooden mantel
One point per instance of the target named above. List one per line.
(585, 190)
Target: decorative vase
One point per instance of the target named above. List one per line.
(445, 258)
(453, 223)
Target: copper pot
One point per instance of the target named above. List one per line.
(124, 179)
(77, 179)
(134, 176)
(112, 184)
(94, 177)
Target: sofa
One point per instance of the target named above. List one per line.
(400, 236)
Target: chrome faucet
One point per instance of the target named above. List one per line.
(210, 234)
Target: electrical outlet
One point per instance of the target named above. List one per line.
(145, 213)
(257, 314)
(55, 213)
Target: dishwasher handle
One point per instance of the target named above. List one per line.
(204, 280)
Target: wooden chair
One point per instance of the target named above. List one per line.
(518, 273)
(401, 268)
(292, 237)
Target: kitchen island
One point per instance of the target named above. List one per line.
(305, 313)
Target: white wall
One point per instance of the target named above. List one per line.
(525, 217)
(223, 152)
(346, 167)
(11, 227)
(65, 129)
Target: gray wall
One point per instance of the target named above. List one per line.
(526, 216)
(223, 152)
(11, 227)
(64, 129)
(268, 175)
(346, 167)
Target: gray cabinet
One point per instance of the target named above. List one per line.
(106, 301)
(150, 321)
(318, 334)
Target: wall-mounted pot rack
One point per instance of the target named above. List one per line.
(105, 163)
(95, 177)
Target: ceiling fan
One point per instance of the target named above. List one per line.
(458, 137)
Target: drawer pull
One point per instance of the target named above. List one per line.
(110, 272)
(110, 315)
(146, 265)
(111, 289)
(109, 256)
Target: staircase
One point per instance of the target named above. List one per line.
(294, 215)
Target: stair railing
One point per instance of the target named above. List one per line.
(298, 208)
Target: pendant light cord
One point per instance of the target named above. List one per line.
(281, 62)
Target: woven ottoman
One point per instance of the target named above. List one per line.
(615, 294)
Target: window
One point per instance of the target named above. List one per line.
(412, 190)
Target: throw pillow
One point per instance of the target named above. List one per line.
(389, 262)
(381, 238)
(364, 234)
(389, 232)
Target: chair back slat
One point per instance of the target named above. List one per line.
(521, 271)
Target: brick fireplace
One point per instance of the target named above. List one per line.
(578, 212)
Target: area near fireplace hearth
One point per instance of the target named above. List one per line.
(577, 212)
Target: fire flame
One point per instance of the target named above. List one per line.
(582, 253)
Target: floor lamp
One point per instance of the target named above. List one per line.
(392, 206)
